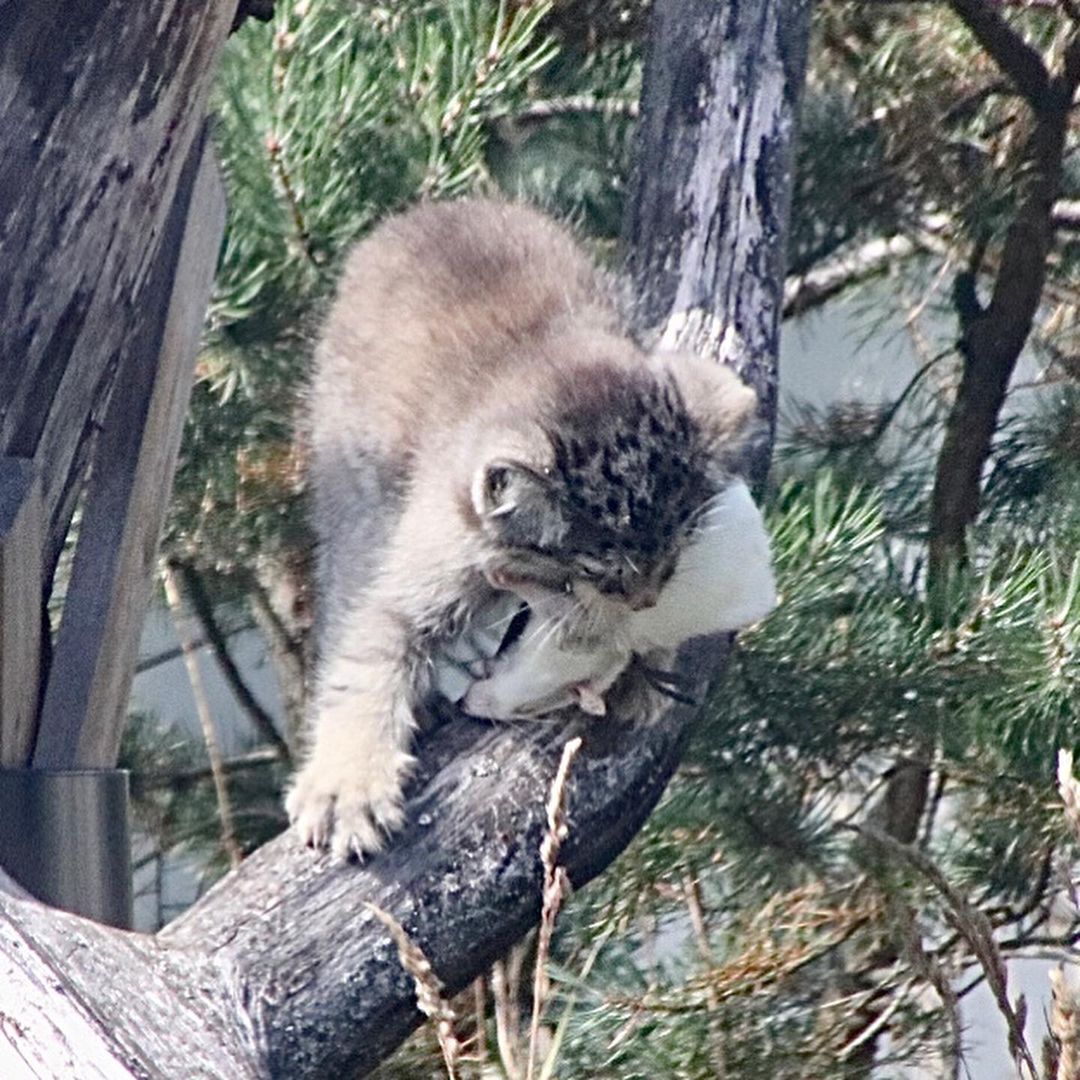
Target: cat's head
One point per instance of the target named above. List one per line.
(615, 478)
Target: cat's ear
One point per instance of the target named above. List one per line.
(516, 502)
(723, 406)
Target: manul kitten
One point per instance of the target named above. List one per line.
(481, 423)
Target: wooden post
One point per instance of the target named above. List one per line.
(22, 537)
(86, 695)
(100, 106)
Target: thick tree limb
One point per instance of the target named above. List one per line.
(282, 970)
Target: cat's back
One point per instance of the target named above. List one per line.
(435, 305)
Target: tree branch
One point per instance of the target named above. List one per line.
(991, 339)
(203, 608)
(831, 277)
(1017, 59)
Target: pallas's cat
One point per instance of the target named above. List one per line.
(481, 423)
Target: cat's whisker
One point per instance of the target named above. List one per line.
(712, 505)
(554, 625)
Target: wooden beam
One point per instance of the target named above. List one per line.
(100, 103)
(22, 532)
(134, 459)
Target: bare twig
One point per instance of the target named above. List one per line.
(206, 719)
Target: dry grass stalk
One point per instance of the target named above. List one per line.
(975, 928)
(479, 994)
(1065, 1026)
(429, 996)
(506, 992)
(556, 887)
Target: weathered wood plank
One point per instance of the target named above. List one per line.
(22, 535)
(99, 104)
(94, 659)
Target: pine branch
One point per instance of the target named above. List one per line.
(991, 340)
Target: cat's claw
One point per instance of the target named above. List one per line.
(351, 813)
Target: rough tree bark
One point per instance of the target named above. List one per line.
(281, 970)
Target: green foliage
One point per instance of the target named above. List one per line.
(342, 114)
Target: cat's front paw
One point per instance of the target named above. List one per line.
(351, 807)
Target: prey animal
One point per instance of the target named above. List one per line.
(723, 581)
(482, 424)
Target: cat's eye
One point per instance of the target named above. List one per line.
(495, 480)
(590, 568)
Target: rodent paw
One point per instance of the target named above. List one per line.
(350, 812)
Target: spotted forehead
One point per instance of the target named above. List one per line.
(633, 472)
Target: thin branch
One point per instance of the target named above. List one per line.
(203, 608)
(166, 656)
(829, 278)
(1016, 58)
(254, 759)
(191, 659)
(574, 105)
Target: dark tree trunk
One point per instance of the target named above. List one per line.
(992, 338)
(281, 970)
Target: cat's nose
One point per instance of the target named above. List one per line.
(641, 600)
